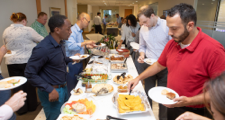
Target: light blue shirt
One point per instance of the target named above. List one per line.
(104, 21)
(119, 20)
(73, 44)
(153, 40)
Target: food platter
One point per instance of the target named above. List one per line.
(122, 80)
(116, 58)
(81, 57)
(6, 85)
(118, 67)
(90, 104)
(102, 89)
(156, 94)
(144, 101)
(95, 77)
(67, 117)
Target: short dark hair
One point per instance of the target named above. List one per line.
(98, 13)
(146, 10)
(132, 19)
(117, 14)
(56, 21)
(41, 14)
(187, 13)
(106, 15)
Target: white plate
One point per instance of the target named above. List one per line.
(149, 61)
(155, 94)
(113, 51)
(22, 81)
(84, 116)
(12, 53)
(134, 45)
(79, 57)
(116, 55)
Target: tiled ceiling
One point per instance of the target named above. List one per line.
(110, 2)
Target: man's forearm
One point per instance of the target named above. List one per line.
(142, 54)
(200, 99)
(151, 70)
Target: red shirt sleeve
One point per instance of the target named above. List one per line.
(216, 63)
(163, 57)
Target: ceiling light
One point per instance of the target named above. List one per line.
(133, 3)
(213, 0)
(136, 1)
(203, 4)
(211, 3)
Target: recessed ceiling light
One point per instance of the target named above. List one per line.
(136, 1)
(203, 4)
(213, 0)
(133, 3)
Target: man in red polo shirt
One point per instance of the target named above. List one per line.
(191, 57)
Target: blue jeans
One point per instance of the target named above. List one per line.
(4, 96)
(72, 79)
(52, 109)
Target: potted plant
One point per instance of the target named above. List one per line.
(110, 41)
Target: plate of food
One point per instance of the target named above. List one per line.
(118, 67)
(94, 77)
(117, 58)
(122, 79)
(162, 95)
(72, 117)
(79, 57)
(85, 106)
(77, 91)
(12, 82)
(122, 89)
(135, 103)
(102, 89)
(149, 61)
(9, 53)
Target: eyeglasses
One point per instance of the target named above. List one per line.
(87, 20)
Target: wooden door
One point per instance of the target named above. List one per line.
(127, 12)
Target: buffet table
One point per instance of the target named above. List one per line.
(104, 104)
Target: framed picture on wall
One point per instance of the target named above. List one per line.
(165, 12)
(54, 11)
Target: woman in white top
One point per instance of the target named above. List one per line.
(21, 39)
(129, 31)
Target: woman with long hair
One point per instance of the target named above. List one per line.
(216, 92)
(130, 30)
(21, 39)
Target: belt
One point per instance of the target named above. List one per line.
(59, 86)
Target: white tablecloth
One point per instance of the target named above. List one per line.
(104, 103)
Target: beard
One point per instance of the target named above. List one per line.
(182, 37)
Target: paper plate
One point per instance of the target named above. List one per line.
(8, 55)
(81, 57)
(155, 94)
(134, 45)
(22, 81)
(149, 61)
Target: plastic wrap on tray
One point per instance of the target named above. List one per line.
(94, 77)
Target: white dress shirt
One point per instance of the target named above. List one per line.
(126, 32)
(6, 112)
(153, 40)
(22, 40)
(97, 20)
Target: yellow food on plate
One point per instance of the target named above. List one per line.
(75, 117)
(12, 81)
(122, 80)
(129, 103)
(164, 92)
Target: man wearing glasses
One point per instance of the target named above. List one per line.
(75, 46)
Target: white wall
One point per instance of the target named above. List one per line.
(72, 11)
(46, 4)
(7, 7)
(165, 4)
(89, 11)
